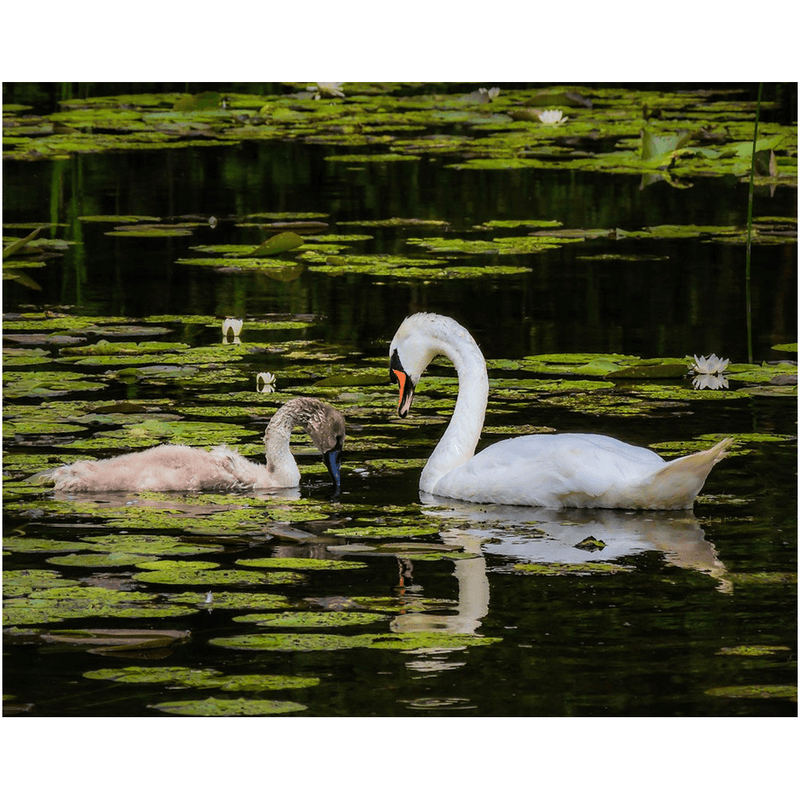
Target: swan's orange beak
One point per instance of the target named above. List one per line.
(399, 376)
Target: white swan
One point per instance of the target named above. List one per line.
(550, 470)
(171, 467)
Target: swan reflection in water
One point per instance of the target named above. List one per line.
(543, 535)
(550, 536)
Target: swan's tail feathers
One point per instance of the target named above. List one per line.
(677, 484)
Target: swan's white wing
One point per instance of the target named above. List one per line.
(552, 471)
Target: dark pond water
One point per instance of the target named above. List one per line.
(442, 611)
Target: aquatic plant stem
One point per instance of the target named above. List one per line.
(750, 233)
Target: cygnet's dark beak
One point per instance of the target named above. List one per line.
(333, 461)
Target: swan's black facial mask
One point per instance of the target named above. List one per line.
(398, 375)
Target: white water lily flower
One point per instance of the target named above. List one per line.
(553, 116)
(231, 329)
(490, 93)
(710, 365)
(232, 325)
(265, 382)
(710, 382)
(326, 90)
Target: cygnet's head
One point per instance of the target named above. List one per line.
(325, 425)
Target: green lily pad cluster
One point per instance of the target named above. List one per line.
(483, 254)
(201, 678)
(309, 642)
(672, 136)
(312, 619)
(59, 603)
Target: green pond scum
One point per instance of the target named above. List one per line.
(592, 238)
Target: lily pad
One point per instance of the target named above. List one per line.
(21, 582)
(183, 565)
(396, 222)
(753, 650)
(47, 384)
(31, 544)
(240, 707)
(95, 560)
(104, 347)
(145, 544)
(648, 372)
(215, 577)
(46, 606)
(309, 642)
(312, 619)
(366, 158)
(595, 364)
(115, 641)
(202, 679)
(150, 232)
(386, 531)
(508, 245)
(755, 692)
(174, 676)
(300, 563)
(35, 428)
(280, 243)
(119, 219)
(272, 264)
(588, 568)
(411, 269)
(521, 223)
(235, 601)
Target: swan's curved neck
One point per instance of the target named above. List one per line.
(458, 443)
